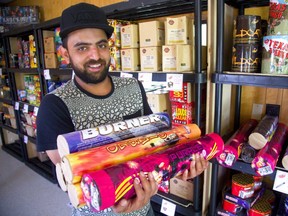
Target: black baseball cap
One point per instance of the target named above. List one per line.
(83, 15)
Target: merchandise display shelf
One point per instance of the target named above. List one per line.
(6, 100)
(14, 149)
(251, 79)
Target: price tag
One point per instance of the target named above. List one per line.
(35, 111)
(16, 107)
(25, 139)
(281, 182)
(126, 74)
(174, 82)
(168, 208)
(47, 74)
(145, 77)
(25, 108)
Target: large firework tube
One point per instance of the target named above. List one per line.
(285, 159)
(233, 146)
(266, 159)
(76, 164)
(103, 188)
(109, 133)
(263, 131)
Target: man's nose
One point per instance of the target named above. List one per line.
(94, 53)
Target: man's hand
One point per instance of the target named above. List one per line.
(144, 191)
(197, 166)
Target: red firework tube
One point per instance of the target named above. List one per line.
(233, 146)
(231, 207)
(266, 159)
(263, 131)
(110, 133)
(285, 159)
(103, 188)
(78, 163)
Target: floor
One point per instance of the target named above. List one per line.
(23, 192)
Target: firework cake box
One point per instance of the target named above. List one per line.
(278, 17)
(275, 54)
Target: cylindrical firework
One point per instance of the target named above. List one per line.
(75, 195)
(242, 185)
(60, 177)
(260, 208)
(285, 159)
(76, 164)
(248, 153)
(265, 161)
(278, 18)
(263, 131)
(106, 187)
(109, 133)
(233, 147)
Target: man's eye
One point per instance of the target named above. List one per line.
(82, 48)
(102, 46)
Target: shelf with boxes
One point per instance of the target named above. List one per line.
(241, 80)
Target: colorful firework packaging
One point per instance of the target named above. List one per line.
(233, 147)
(110, 133)
(103, 188)
(278, 17)
(76, 164)
(265, 161)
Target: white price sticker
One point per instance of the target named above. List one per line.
(145, 77)
(35, 111)
(281, 181)
(25, 108)
(126, 74)
(16, 107)
(174, 82)
(47, 74)
(25, 139)
(168, 208)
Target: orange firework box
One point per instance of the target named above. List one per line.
(76, 164)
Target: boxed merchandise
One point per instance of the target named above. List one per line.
(49, 45)
(159, 101)
(181, 113)
(180, 188)
(179, 30)
(115, 63)
(176, 58)
(183, 96)
(129, 36)
(130, 59)
(31, 149)
(151, 34)
(115, 39)
(151, 59)
(50, 60)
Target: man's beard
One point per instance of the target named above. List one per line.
(90, 78)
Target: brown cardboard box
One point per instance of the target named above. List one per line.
(31, 149)
(151, 34)
(179, 30)
(176, 58)
(49, 45)
(50, 60)
(151, 59)
(129, 36)
(159, 102)
(180, 188)
(42, 156)
(130, 60)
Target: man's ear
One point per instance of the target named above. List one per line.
(64, 53)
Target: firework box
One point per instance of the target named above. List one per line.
(184, 96)
(151, 58)
(129, 36)
(151, 33)
(181, 188)
(181, 113)
(130, 60)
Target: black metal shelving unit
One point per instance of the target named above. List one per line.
(237, 79)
